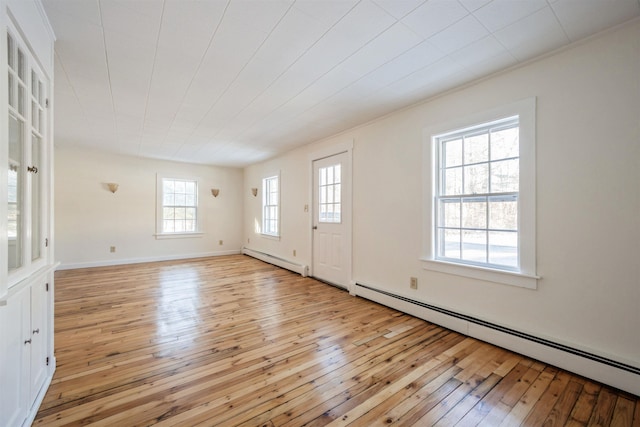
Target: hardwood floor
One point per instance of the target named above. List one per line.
(232, 341)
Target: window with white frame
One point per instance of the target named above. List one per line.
(271, 206)
(476, 215)
(177, 206)
(483, 198)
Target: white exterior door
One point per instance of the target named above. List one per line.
(332, 219)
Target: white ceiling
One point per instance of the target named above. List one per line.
(234, 82)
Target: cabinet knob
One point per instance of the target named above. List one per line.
(36, 331)
(27, 341)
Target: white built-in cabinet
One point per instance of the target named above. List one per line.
(27, 361)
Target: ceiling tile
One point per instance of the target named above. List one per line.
(434, 16)
(500, 13)
(399, 8)
(388, 45)
(463, 33)
(579, 18)
(533, 35)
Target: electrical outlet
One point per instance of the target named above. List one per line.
(306, 208)
(413, 283)
(294, 252)
(220, 242)
(112, 249)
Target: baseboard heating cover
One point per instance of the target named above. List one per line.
(301, 269)
(604, 369)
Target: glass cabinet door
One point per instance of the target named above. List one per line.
(26, 131)
(17, 90)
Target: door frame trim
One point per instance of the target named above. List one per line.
(340, 147)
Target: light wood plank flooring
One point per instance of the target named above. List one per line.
(231, 341)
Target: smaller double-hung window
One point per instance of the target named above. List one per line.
(271, 206)
(177, 207)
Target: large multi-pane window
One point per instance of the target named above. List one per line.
(270, 206)
(179, 206)
(477, 195)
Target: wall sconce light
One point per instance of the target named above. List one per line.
(215, 192)
(113, 187)
(254, 191)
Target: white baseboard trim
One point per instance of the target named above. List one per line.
(107, 263)
(622, 375)
(301, 269)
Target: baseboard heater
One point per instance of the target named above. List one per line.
(557, 346)
(301, 269)
(616, 373)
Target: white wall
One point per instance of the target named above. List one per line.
(588, 199)
(90, 219)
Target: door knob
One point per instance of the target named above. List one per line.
(315, 227)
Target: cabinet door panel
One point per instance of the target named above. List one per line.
(14, 359)
(38, 333)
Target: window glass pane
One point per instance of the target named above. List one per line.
(503, 248)
(21, 66)
(190, 200)
(476, 148)
(503, 213)
(34, 115)
(190, 187)
(452, 152)
(450, 213)
(476, 179)
(179, 226)
(474, 213)
(449, 243)
(168, 199)
(168, 226)
(505, 176)
(11, 93)
(36, 235)
(167, 186)
(10, 51)
(14, 189)
(180, 199)
(190, 213)
(329, 175)
(505, 143)
(34, 84)
(40, 95)
(337, 175)
(452, 184)
(180, 187)
(323, 176)
(168, 213)
(337, 193)
(474, 246)
(190, 225)
(21, 93)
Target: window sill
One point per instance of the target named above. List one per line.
(178, 235)
(512, 278)
(270, 236)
